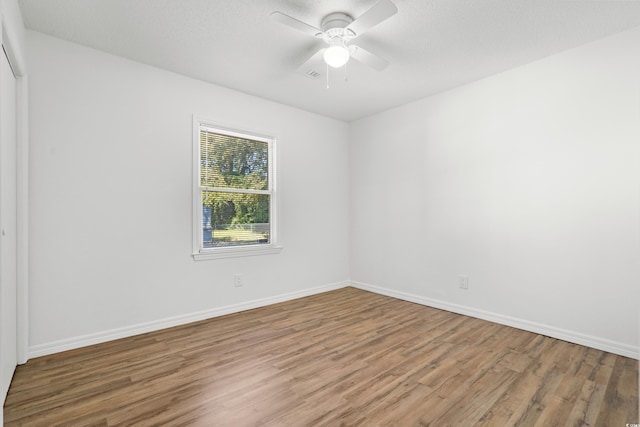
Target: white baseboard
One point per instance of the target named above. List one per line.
(563, 334)
(551, 331)
(141, 328)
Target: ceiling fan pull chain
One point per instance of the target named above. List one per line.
(345, 72)
(327, 65)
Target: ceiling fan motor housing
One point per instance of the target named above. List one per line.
(334, 25)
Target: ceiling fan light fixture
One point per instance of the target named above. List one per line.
(336, 54)
(338, 29)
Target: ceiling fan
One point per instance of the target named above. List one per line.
(338, 29)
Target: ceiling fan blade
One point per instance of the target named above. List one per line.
(294, 23)
(312, 62)
(379, 12)
(368, 58)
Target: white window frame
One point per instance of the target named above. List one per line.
(201, 253)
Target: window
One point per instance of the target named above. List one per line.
(234, 200)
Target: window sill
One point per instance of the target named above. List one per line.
(243, 251)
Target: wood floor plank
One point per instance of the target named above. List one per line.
(346, 357)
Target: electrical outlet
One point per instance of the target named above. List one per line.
(238, 280)
(463, 282)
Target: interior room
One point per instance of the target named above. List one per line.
(447, 231)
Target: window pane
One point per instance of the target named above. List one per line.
(234, 219)
(233, 162)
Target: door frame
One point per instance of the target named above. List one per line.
(9, 41)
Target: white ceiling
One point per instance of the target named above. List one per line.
(433, 45)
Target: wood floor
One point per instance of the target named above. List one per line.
(346, 357)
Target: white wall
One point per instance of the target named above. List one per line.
(110, 200)
(527, 182)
